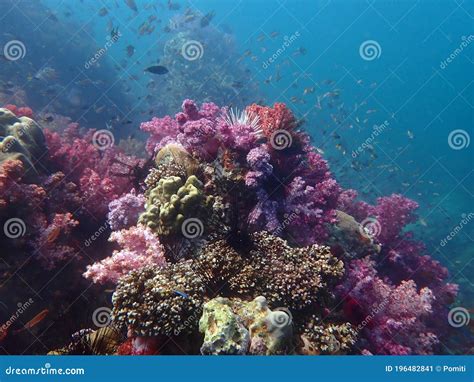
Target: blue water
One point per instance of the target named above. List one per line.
(410, 86)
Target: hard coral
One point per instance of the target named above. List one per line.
(22, 139)
(173, 201)
(235, 326)
(154, 301)
(289, 277)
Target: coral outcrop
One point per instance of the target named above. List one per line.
(279, 258)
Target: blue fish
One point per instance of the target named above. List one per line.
(182, 294)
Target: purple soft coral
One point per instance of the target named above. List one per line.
(389, 319)
(124, 211)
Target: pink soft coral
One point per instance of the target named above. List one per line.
(139, 247)
(52, 245)
(101, 175)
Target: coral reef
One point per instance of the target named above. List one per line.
(154, 301)
(224, 332)
(124, 211)
(236, 239)
(169, 300)
(72, 184)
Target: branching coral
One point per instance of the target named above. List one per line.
(124, 211)
(391, 319)
(155, 301)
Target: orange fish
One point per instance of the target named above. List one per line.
(53, 235)
(3, 334)
(34, 321)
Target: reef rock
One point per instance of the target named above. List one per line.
(224, 332)
(234, 326)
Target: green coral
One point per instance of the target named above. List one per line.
(171, 202)
(224, 332)
(235, 326)
(22, 139)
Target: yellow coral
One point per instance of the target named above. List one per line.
(171, 202)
